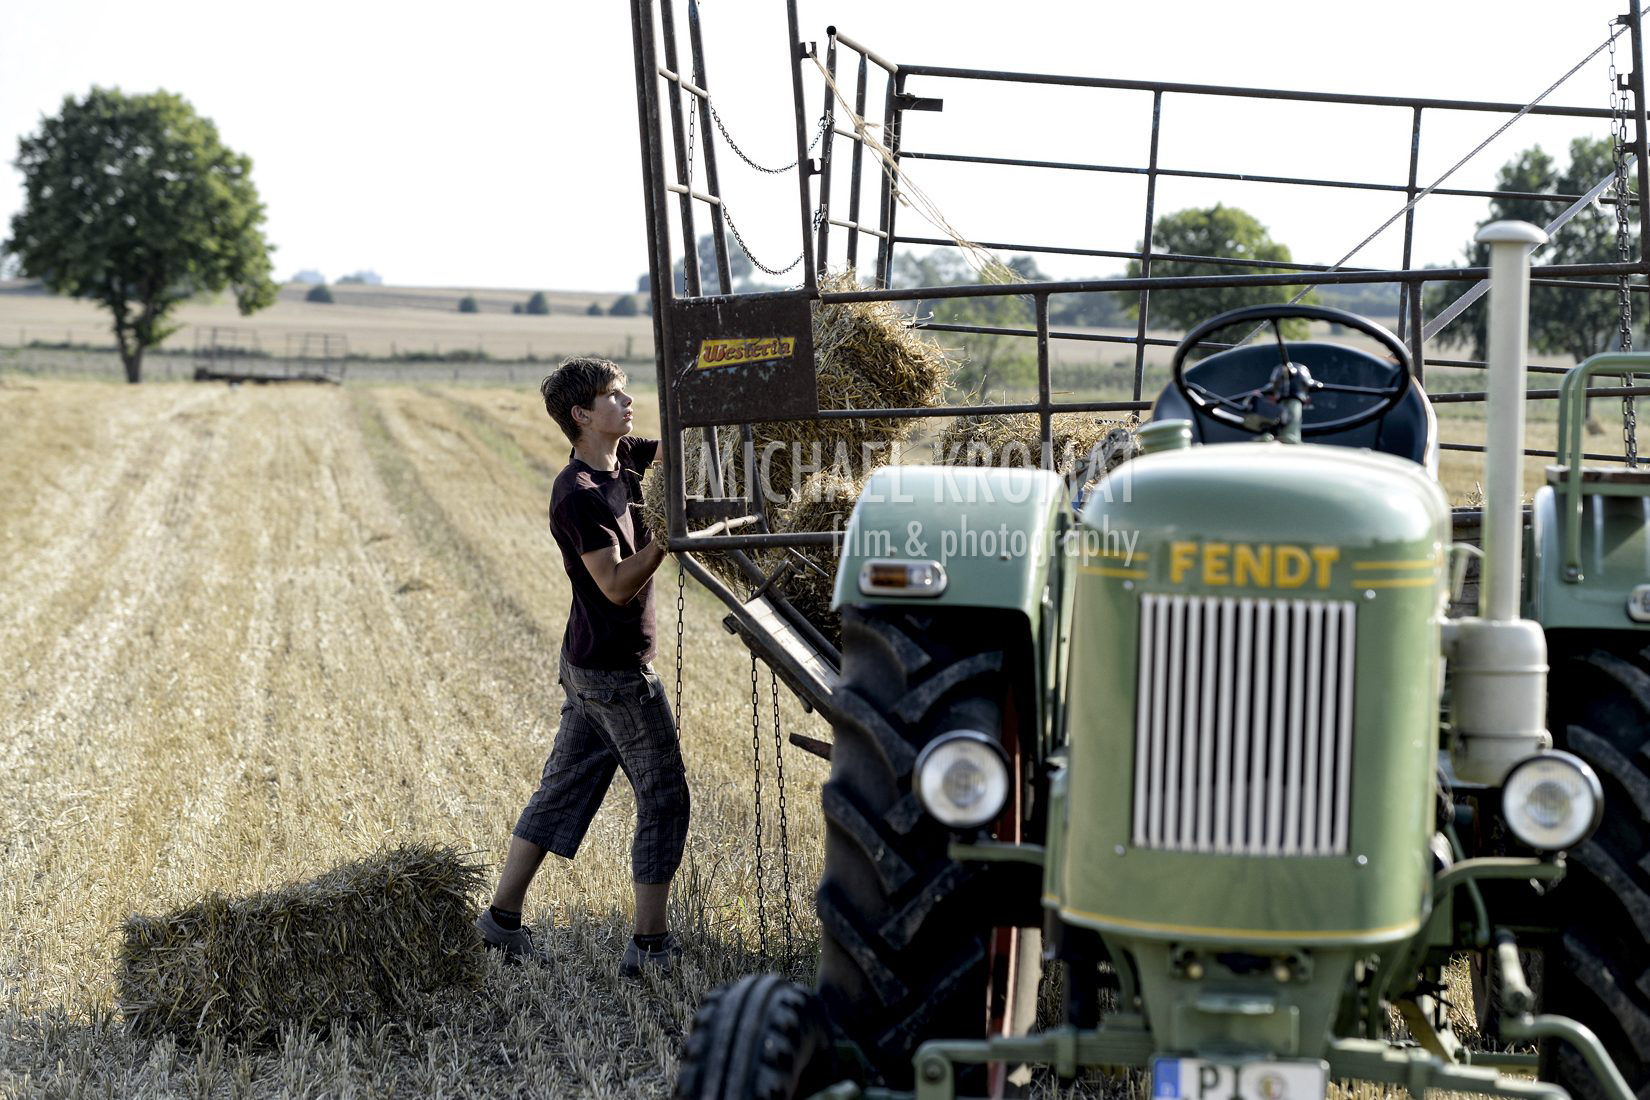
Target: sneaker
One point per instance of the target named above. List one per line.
(659, 959)
(516, 943)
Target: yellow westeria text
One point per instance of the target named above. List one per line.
(1252, 565)
(731, 352)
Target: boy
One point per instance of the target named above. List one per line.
(615, 714)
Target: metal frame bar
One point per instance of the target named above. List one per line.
(1283, 94)
(825, 222)
(817, 240)
(859, 161)
(803, 168)
(683, 188)
(718, 221)
(1145, 306)
(1243, 177)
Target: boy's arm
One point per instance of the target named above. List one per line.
(620, 580)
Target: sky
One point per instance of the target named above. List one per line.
(495, 143)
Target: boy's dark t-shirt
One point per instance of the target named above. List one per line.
(590, 509)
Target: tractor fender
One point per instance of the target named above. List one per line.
(1610, 592)
(994, 532)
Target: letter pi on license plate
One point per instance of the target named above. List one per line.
(1197, 1079)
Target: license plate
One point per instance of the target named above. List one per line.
(1197, 1079)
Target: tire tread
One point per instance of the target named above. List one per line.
(760, 1038)
(902, 957)
(1598, 970)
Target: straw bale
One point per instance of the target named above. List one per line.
(824, 504)
(653, 515)
(866, 355)
(653, 500)
(370, 939)
(1014, 439)
(825, 499)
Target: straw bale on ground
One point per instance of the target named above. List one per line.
(368, 939)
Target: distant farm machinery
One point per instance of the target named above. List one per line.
(237, 355)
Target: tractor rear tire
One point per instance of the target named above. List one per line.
(905, 956)
(1598, 966)
(760, 1038)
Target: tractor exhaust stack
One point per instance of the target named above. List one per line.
(1500, 674)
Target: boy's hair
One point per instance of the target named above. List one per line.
(577, 382)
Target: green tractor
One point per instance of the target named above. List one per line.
(1211, 766)
(1207, 739)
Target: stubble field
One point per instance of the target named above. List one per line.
(248, 634)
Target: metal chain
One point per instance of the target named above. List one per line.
(727, 216)
(784, 838)
(699, 79)
(716, 116)
(1624, 250)
(681, 585)
(693, 117)
(756, 789)
(819, 134)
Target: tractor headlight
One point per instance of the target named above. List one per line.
(1552, 801)
(961, 779)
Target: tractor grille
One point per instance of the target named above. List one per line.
(1243, 736)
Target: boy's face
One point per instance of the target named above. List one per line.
(609, 414)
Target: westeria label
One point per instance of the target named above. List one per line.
(732, 352)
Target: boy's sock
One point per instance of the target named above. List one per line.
(652, 941)
(506, 920)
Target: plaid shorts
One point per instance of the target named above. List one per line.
(611, 720)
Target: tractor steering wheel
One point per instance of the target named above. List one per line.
(1292, 379)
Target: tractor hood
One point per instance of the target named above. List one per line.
(1253, 700)
(1261, 492)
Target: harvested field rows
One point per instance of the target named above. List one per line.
(249, 634)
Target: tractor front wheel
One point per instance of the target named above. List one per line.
(760, 1038)
(1598, 967)
(908, 937)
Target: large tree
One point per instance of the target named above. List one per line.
(1563, 320)
(134, 203)
(1223, 232)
